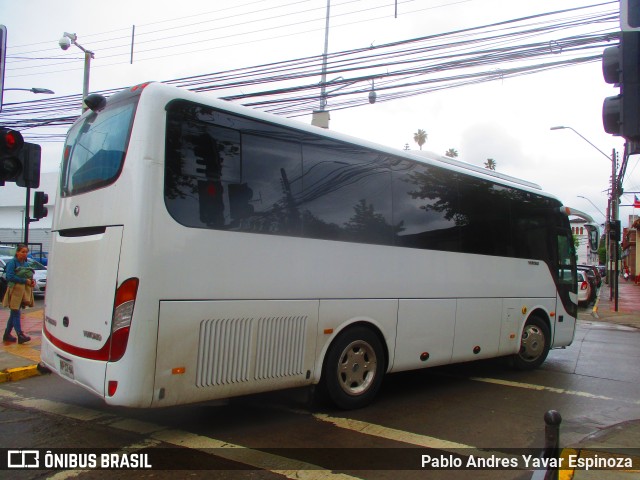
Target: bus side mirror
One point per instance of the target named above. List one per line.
(593, 234)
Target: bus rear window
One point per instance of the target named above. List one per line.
(95, 149)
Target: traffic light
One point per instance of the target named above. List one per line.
(11, 143)
(40, 199)
(30, 159)
(620, 65)
(615, 229)
(629, 15)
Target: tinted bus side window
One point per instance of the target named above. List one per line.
(232, 173)
(425, 207)
(202, 168)
(346, 195)
(260, 178)
(271, 172)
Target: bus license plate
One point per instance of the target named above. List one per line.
(66, 369)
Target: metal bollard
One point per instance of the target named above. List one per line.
(552, 419)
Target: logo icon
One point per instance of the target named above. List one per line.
(23, 459)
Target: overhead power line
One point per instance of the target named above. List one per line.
(399, 70)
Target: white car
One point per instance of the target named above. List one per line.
(39, 275)
(584, 288)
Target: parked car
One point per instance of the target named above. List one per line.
(42, 257)
(593, 281)
(39, 275)
(584, 288)
(595, 271)
(7, 250)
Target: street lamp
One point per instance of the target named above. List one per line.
(33, 90)
(613, 217)
(574, 131)
(594, 206)
(65, 42)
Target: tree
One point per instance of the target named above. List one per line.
(420, 137)
(602, 251)
(490, 164)
(451, 153)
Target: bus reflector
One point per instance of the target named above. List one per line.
(112, 386)
(178, 370)
(328, 331)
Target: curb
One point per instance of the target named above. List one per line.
(20, 373)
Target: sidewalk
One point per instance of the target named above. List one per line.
(20, 361)
(628, 305)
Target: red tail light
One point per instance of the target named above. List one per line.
(584, 286)
(122, 313)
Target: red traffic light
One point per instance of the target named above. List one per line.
(12, 140)
(11, 143)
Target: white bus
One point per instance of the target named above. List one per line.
(202, 250)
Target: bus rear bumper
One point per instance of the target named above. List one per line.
(89, 374)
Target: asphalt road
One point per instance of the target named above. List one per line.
(463, 410)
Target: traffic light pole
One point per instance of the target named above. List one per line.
(27, 217)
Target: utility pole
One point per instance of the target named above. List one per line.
(614, 237)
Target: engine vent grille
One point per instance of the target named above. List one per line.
(223, 351)
(232, 351)
(280, 347)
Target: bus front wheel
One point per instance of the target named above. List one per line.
(534, 344)
(353, 368)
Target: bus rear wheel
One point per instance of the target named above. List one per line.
(534, 344)
(353, 368)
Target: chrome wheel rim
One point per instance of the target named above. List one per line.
(532, 344)
(357, 368)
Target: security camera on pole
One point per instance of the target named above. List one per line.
(65, 42)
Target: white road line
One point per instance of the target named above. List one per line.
(530, 386)
(409, 437)
(293, 469)
(390, 433)
(63, 409)
(290, 468)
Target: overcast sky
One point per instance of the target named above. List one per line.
(507, 120)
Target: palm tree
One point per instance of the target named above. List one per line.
(490, 164)
(451, 153)
(420, 137)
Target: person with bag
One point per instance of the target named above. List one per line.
(19, 293)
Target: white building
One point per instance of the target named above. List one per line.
(13, 202)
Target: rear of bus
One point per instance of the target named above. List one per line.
(93, 282)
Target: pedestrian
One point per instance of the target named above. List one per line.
(19, 293)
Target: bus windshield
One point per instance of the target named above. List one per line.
(95, 149)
